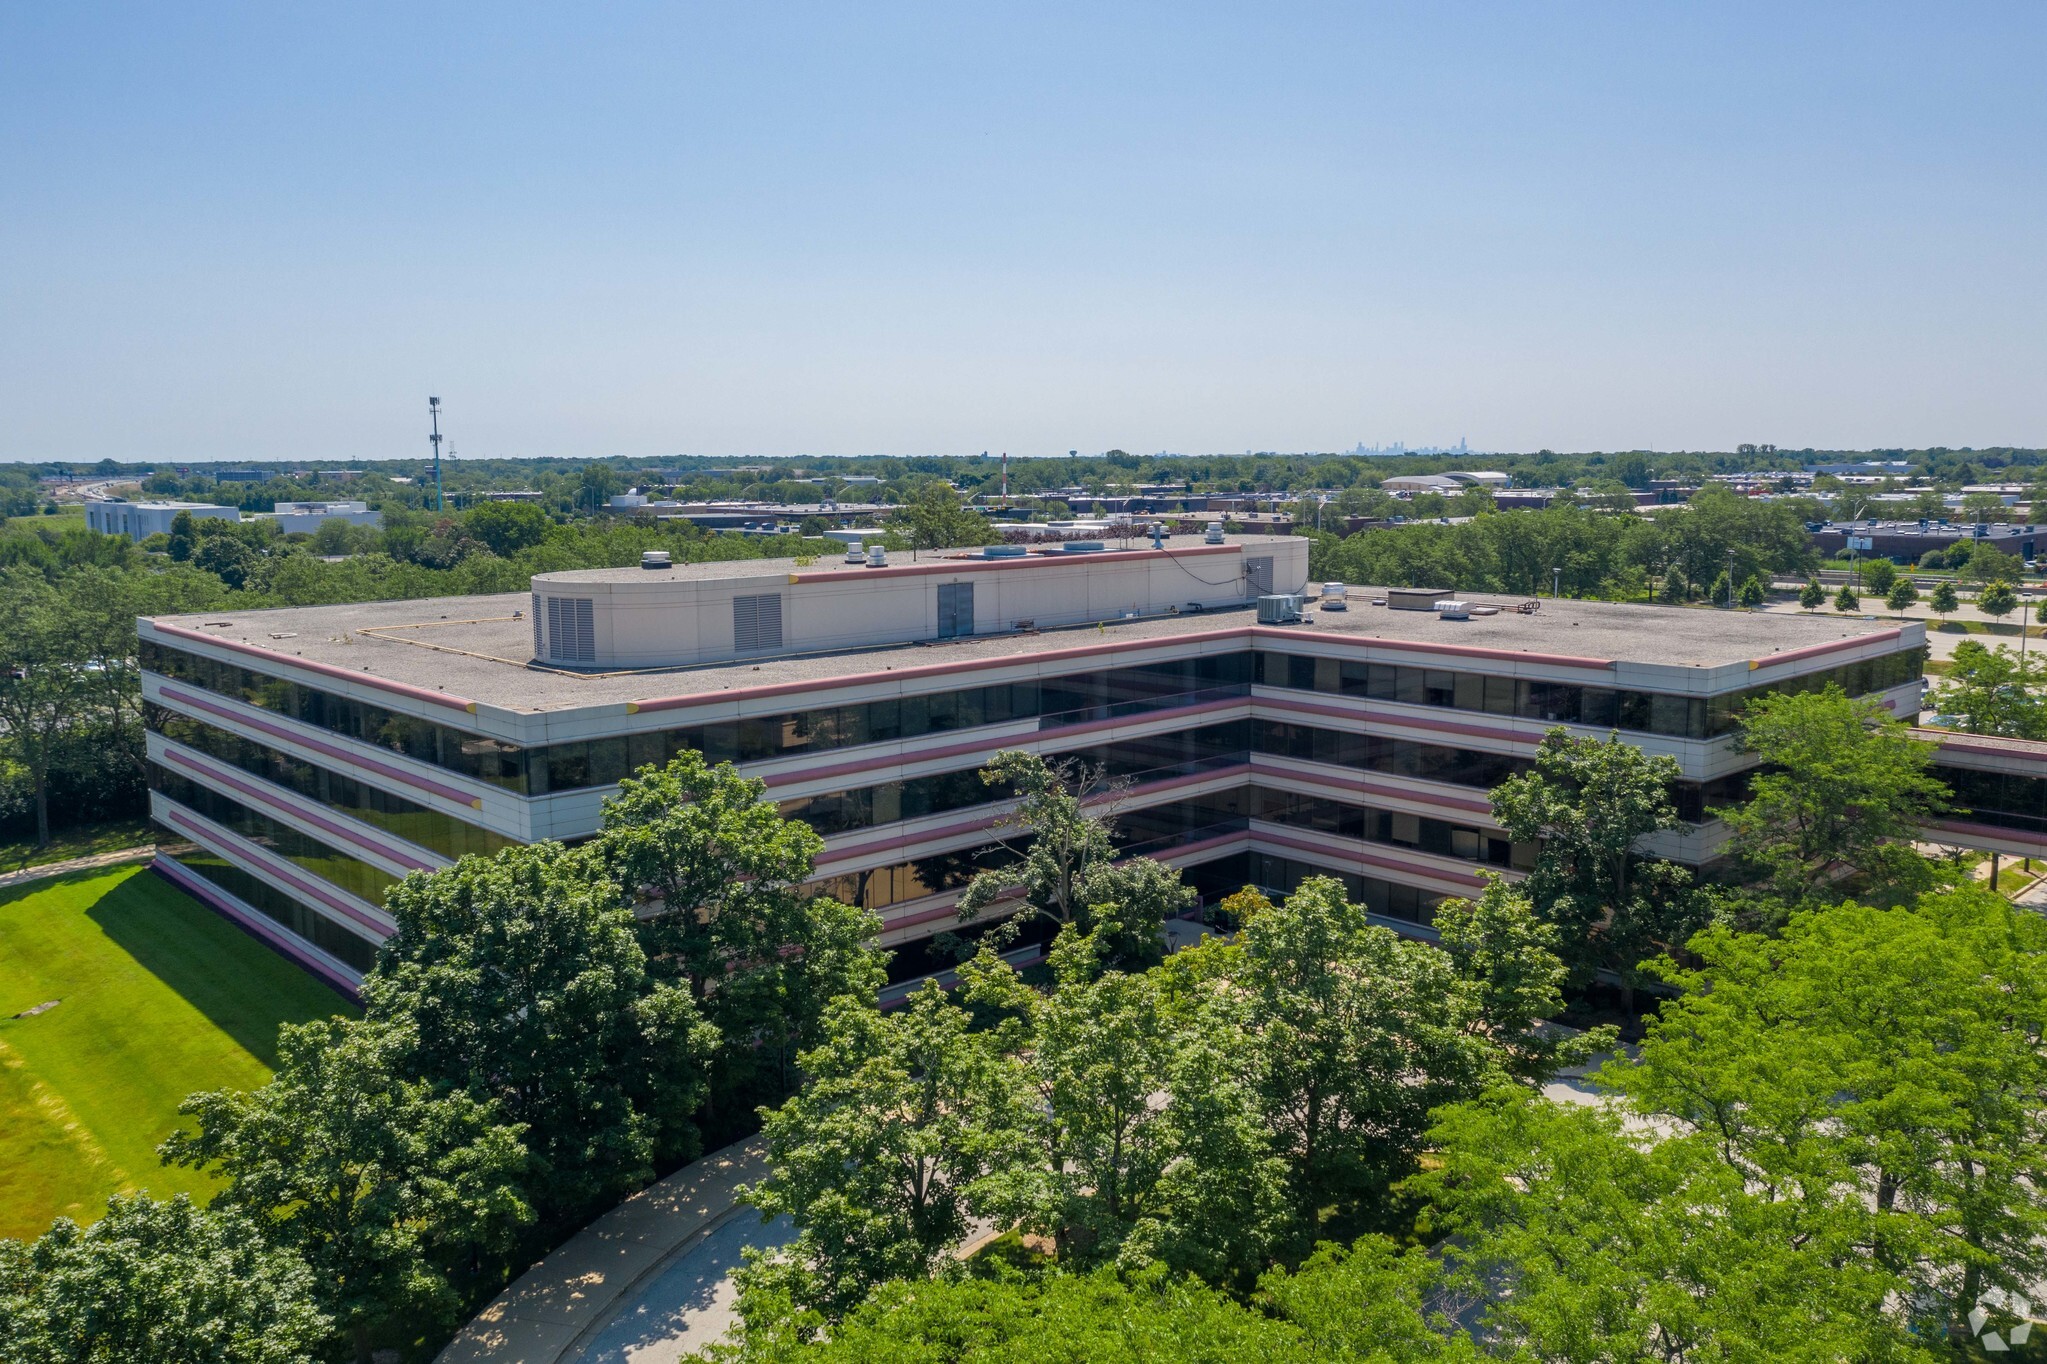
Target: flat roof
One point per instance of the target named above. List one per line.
(477, 649)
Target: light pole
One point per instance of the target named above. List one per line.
(1556, 584)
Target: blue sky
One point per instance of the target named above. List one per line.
(269, 231)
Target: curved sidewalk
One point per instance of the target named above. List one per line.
(92, 862)
(608, 1280)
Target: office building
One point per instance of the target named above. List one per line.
(310, 516)
(309, 757)
(140, 520)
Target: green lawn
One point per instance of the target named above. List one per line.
(70, 516)
(83, 841)
(160, 997)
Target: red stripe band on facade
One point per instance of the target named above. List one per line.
(2019, 750)
(275, 659)
(1233, 634)
(1322, 852)
(927, 670)
(1815, 650)
(864, 850)
(262, 859)
(1969, 828)
(1262, 768)
(318, 746)
(258, 926)
(272, 804)
(994, 742)
(1409, 721)
(1265, 632)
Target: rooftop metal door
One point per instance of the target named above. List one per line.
(1258, 570)
(955, 610)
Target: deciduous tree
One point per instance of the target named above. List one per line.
(1061, 835)
(1882, 1065)
(43, 681)
(1843, 786)
(1509, 959)
(1997, 600)
(524, 984)
(1589, 803)
(1149, 1145)
(1353, 1035)
(705, 847)
(166, 1283)
(1994, 691)
(880, 1157)
(383, 1185)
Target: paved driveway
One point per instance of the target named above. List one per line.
(646, 1275)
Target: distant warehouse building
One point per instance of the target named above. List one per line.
(299, 780)
(1908, 541)
(310, 516)
(140, 520)
(1449, 483)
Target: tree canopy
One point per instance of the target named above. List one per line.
(169, 1283)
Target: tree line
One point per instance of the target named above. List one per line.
(71, 735)
(548, 1030)
(1308, 1137)
(1317, 1140)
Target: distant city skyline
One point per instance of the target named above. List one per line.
(268, 233)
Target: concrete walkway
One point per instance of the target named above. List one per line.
(66, 867)
(643, 1284)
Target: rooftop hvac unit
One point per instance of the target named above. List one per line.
(877, 556)
(1281, 609)
(855, 553)
(1453, 610)
(1215, 533)
(1002, 551)
(1335, 597)
(1083, 547)
(655, 558)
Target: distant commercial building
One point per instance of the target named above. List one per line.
(754, 515)
(1907, 542)
(241, 475)
(310, 516)
(1449, 483)
(336, 475)
(140, 520)
(1877, 468)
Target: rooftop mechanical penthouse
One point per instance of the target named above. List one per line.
(306, 758)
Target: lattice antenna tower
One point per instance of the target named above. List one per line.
(433, 408)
